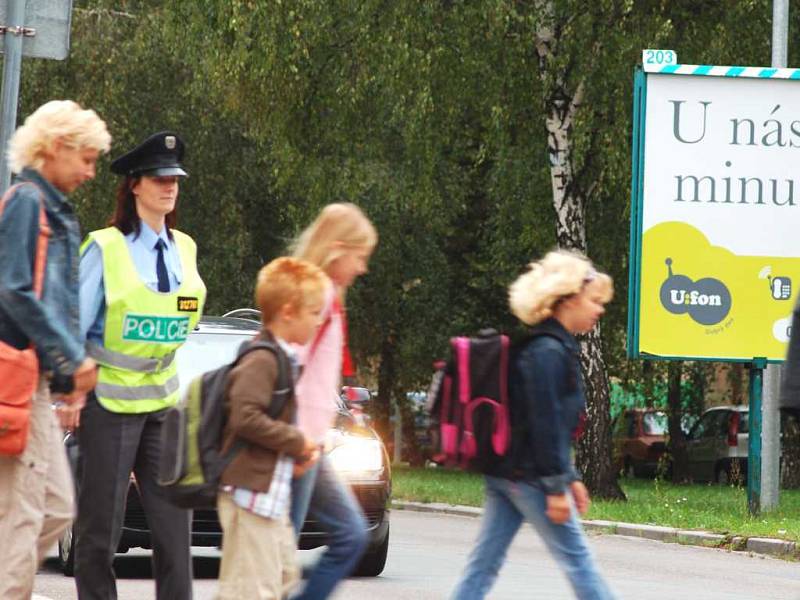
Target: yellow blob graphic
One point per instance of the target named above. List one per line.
(703, 301)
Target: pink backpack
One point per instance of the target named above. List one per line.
(469, 401)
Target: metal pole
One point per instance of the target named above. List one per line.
(780, 32)
(770, 415)
(754, 438)
(12, 65)
(770, 438)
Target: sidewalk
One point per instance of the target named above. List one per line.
(768, 546)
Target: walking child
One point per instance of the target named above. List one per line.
(560, 296)
(258, 549)
(340, 241)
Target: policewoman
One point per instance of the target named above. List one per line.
(141, 295)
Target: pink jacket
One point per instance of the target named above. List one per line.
(318, 386)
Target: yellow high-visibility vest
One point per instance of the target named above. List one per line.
(143, 327)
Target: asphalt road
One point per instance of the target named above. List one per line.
(427, 552)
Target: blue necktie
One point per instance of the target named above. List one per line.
(161, 267)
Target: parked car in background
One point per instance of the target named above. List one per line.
(716, 446)
(639, 437)
(353, 447)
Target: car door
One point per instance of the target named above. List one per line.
(719, 443)
(701, 447)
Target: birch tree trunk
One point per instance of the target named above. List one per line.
(561, 105)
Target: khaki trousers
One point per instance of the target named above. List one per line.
(36, 500)
(259, 560)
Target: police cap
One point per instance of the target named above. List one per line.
(160, 155)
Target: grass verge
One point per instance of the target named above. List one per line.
(714, 508)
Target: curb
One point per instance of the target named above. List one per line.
(756, 545)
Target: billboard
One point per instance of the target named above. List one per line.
(715, 230)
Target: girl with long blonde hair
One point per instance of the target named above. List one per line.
(340, 241)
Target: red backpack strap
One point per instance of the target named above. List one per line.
(461, 347)
(348, 367)
(347, 361)
(322, 329)
(320, 332)
(40, 258)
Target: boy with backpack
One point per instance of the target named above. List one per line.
(258, 556)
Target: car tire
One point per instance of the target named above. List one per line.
(373, 562)
(66, 552)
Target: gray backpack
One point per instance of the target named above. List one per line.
(191, 461)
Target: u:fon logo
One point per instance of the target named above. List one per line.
(707, 300)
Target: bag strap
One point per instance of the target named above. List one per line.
(40, 257)
(335, 307)
(284, 385)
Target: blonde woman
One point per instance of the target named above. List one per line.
(560, 296)
(53, 153)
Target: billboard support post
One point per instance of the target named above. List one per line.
(770, 415)
(754, 491)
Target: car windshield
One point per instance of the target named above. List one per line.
(206, 351)
(654, 423)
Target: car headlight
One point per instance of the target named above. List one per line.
(357, 457)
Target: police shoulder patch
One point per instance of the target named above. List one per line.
(188, 304)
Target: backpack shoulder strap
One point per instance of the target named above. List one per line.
(40, 258)
(284, 384)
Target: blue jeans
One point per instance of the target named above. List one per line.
(508, 504)
(331, 503)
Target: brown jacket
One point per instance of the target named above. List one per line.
(249, 392)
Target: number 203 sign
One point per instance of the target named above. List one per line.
(659, 57)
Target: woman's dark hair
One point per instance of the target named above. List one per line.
(125, 218)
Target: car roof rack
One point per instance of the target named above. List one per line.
(244, 313)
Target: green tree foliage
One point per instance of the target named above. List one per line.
(429, 114)
(127, 66)
(408, 109)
